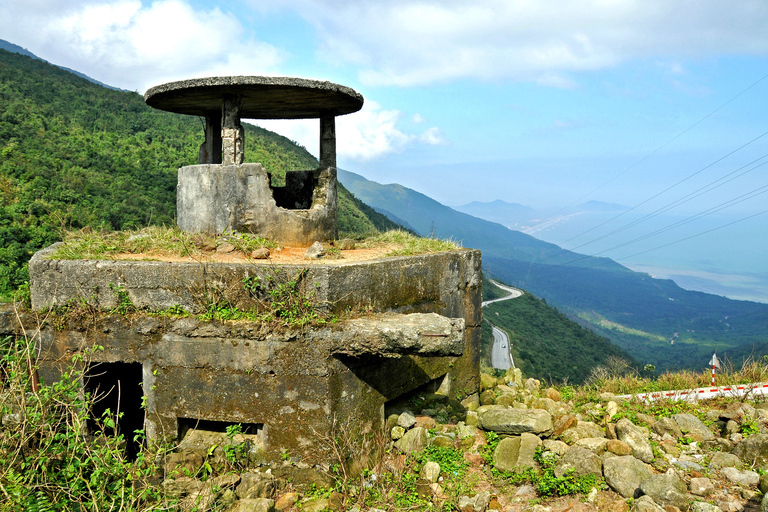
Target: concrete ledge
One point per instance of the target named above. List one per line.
(429, 283)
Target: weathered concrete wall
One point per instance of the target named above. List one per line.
(294, 382)
(220, 198)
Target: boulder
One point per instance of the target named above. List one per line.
(666, 489)
(703, 506)
(667, 426)
(516, 452)
(617, 447)
(430, 472)
(722, 460)
(701, 486)
(624, 475)
(691, 425)
(412, 441)
(315, 252)
(256, 485)
(555, 446)
(753, 450)
(646, 504)
(737, 476)
(636, 439)
(582, 430)
(253, 505)
(595, 444)
(515, 421)
(582, 460)
(406, 420)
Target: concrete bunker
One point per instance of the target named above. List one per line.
(285, 386)
(223, 193)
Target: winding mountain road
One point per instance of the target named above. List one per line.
(500, 355)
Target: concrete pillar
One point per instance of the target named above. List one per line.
(210, 149)
(327, 141)
(232, 135)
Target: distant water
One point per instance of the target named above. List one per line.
(732, 261)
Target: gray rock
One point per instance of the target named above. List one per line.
(722, 460)
(762, 485)
(431, 472)
(397, 432)
(516, 452)
(225, 248)
(482, 500)
(253, 505)
(314, 252)
(594, 444)
(582, 460)
(182, 486)
(690, 424)
(636, 439)
(666, 489)
(515, 421)
(256, 485)
(753, 450)
(703, 506)
(260, 254)
(315, 505)
(406, 420)
(740, 477)
(555, 446)
(764, 504)
(645, 504)
(687, 465)
(582, 430)
(412, 441)
(667, 426)
(625, 474)
(701, 486)
(547, 404)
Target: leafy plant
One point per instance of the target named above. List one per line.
(49, 459)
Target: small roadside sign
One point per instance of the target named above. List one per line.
(714, 362)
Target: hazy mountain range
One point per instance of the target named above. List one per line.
(655, 320)
(729, 260)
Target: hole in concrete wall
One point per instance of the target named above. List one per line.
(185, 424)
(117, 387)
(297, 192)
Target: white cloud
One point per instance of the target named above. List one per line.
(131, 45)
(419, 42)
(365, 135)
(417, 119)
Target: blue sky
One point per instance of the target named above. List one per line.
(534, 102)
(546, 103)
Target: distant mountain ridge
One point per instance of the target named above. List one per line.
(654, 320)
(14, 48)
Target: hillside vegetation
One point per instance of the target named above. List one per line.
(76, 154)
(654, 320)
(545, 344)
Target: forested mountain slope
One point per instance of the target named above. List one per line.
(545, 344)
(654, 320)
(76, 154)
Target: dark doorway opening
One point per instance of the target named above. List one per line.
(117, 387)
(251, 429)
(297, 192)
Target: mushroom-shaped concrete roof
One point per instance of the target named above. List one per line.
(260, 97)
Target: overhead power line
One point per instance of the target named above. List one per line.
(646, 157)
